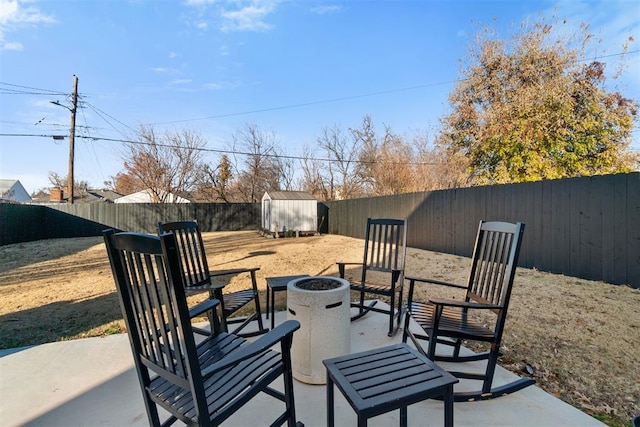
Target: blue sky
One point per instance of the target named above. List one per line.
(290, 67)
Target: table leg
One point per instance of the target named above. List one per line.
(448, 407)
(273, 308)
(268, 292)
(330, 413)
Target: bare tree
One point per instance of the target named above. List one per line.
(164, 165)
(393, 169)
(313, 178)
(435, 168)
(342, 172)
(214, 184)
(80, 187)
(260, 169)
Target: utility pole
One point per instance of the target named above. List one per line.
(72, 134)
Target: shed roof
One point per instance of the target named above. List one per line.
(290, 195)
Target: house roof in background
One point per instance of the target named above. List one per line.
(13, 190)
(6, 184)
(146, 196)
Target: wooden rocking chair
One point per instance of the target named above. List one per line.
(384, 252)
(448, 322)
(199, 384)
(199, 278)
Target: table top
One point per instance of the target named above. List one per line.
(386, 378)
(280, 283)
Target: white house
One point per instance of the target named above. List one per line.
(146, 196)
(12, 190)
(289, 211)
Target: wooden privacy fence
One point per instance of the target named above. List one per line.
(583, 227)
(21, 223)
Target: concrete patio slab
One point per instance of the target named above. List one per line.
(92, 382)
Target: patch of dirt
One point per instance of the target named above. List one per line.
(580, 337)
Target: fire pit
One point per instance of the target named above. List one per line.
(321, 305)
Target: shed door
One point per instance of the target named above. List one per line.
(266, 214)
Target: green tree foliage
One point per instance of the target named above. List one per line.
(531, 108)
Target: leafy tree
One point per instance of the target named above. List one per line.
(529, 108)
(164, 165)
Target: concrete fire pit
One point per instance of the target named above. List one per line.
(321, 305)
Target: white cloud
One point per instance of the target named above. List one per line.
(10, 45)
(233, 15)
(322, 10)
(180, 82)
(159, 70)
(221, 85)
(14, 15)
(199, 2)
(248, 18)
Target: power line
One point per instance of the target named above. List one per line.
(39, 91)
(212, 150)
(305, 104)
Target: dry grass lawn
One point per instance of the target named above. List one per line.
(582, 338)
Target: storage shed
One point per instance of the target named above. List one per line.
(293, 211)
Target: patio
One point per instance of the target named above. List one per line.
(92, 381)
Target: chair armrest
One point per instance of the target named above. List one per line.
(341, 266)
(203, 307)
(434, 282)
(260, 345)
(232, 271)
(463, 304)
(395, 275)
(201, 288)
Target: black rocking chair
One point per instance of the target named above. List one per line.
(384, 255)
(448, 322)
(199, 278)
(200, 383)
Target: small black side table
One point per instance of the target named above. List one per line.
(275, 284)
(377, 381)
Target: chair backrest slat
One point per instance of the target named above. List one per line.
(385, 244)
(494, 261)
(191, 250)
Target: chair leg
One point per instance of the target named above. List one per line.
(405, 331)
(491, 369)
(433, 335)
(391, 313)
(287, 376)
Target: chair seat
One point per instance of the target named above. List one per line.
(224, 382)
(234, 300)
(451, 323)
(372, 288)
